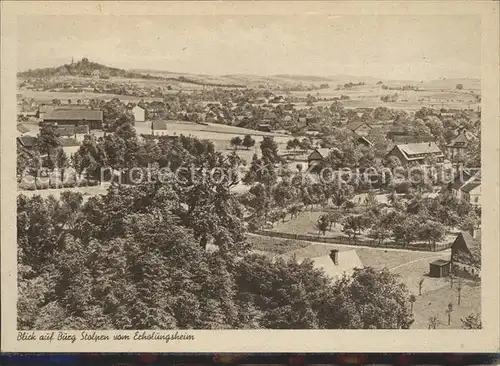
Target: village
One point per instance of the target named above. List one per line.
(426, 230)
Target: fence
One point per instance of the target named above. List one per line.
(342, 240)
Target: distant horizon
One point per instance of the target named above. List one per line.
(146, 70)
(413, 48)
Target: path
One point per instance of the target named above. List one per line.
(437, 255)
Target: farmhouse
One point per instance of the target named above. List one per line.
(139, 114)
(22, 129)
(27, 142)
(317, 157)
(471, 192)
(459, 144)
(416, 152)
(76, 132)
(411, 139)
(75, 117)
(159, 128)
(264, 127)
(360, 128)
(69, 145)
(466, 254)
(364, 141)
(467, 186)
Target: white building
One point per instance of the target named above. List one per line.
(139, 114)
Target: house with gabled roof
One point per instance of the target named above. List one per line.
(338, 262)
(416, 152)
(460, 143)
(359, 127)
(466, 254)
(159, 128)
(75, 117)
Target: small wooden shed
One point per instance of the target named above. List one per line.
(439, 268)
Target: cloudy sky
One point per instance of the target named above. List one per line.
(391, 47)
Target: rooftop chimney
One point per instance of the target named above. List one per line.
(334, 255)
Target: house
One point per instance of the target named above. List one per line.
(22, 129)
(458, 146)
(335, 264)
(76, 117)
(471, 192)
(139, 114)
(360, 128)
(76, 132)
(317, 157)
(159, 128)
(364, 141)
(44, 109)
(411, 139)
(264, 127)
(416, 152)
(466, 254)
(467, 186)
(69, 145)
(27, 142)
(395, 130)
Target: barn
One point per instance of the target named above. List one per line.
(75, 117)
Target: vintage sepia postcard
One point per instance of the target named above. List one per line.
(250, 176)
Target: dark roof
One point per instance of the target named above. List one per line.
(466, 249)
(470, 186)
(68, 142)
(22, 128)
(159, 125)
(84, 129)
(27, 141)
(65, 130)
(353, 126)
(459, 141)
(74, 115)
(364, 139)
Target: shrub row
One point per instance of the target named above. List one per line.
(40, 185)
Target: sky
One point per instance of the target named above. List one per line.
(388, 47)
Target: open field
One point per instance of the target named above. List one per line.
(47, 96)
(368, 96)
(435, 303)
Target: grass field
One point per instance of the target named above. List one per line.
(435, 303)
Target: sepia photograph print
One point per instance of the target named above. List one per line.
(174, 173)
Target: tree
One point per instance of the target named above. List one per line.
(56, 101)
(459, 86)
(269, 149)
(449, 310)
(236, 142)
(433, 322)
(62, 162)
(48, 139)
(377, 300)
(412, 300)
(352, 225)
(432, 232)
(472, 321)
(322, 224)
(248, 141)
(420, 285)
(405, 232)
(293, 144)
